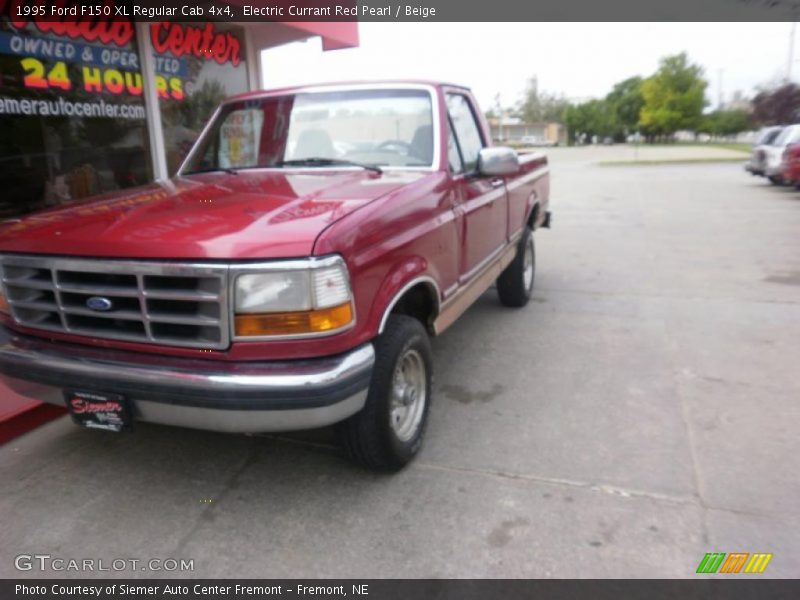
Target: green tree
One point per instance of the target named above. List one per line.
(721, 123)
(673, 98)
(595, 117)
(626, 101)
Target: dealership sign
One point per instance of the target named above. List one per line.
(102, 69)
(112, 67)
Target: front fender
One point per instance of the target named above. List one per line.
(401, 278)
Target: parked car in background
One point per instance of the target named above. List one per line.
(288, 277)
(758, 157)
(532, 140)
(773, 162)
(790, 173)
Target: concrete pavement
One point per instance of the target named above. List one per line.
(640, 412)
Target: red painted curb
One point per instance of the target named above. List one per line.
(27, 419)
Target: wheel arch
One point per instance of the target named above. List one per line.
(418, 297)
(533, 215)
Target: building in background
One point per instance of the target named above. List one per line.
(515, 130)
(92, 108)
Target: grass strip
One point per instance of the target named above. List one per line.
(676, 161)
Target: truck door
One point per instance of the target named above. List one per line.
(482, 202)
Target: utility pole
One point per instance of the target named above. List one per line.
(499, 106)
(719, 88)
(790, 62)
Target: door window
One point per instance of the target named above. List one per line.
(468, 134)
(453, 154)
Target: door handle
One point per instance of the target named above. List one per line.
(496, 182)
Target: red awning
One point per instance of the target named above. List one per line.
(335, 35)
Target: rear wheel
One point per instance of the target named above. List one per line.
(388, 431)
(775, 180)
(515, 284)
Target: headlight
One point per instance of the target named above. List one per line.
(273, 292)
(314, 298)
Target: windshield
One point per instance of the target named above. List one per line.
(768, 136)
(370, 127)
(787, 136)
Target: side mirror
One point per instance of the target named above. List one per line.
(498, 161)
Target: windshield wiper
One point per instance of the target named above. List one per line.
(214, 170)
(318, 161)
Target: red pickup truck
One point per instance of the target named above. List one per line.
(288, 277)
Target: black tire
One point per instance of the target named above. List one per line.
(775, 180)
(512, 288)
(368, 436)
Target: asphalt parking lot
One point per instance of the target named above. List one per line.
(640, 412)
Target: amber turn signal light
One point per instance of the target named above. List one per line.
(294, 323)
(4, 307)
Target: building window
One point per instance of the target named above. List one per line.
(71, 113)
(197, 65)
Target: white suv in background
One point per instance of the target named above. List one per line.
(758, 157)
(774, 152)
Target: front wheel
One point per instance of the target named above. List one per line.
(515, 284)
(388, 431)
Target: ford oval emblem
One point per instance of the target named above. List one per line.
(99, 303)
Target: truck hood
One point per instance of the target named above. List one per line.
(249, 215)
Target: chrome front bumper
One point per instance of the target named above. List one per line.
(201, 394)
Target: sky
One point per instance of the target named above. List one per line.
(578, 60)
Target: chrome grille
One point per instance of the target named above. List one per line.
(152, 302)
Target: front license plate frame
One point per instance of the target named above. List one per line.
(99, 410)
